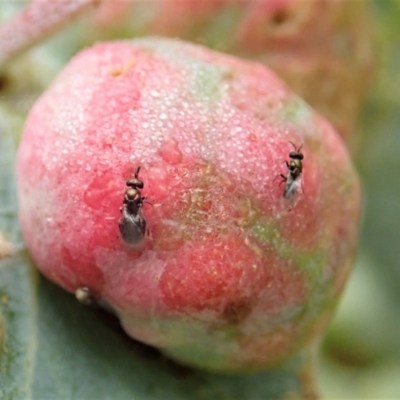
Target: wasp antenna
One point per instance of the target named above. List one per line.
(137, 172)
(298, 150)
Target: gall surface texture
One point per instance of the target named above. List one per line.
(230, 276)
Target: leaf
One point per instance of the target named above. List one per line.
(18, 314)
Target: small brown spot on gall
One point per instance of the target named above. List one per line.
(228, 75)
(236, 311)
(252, 137)
(280, 17)
(118, 71)
(200, 135)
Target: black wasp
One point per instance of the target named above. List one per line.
(293, 177)
(132, 225)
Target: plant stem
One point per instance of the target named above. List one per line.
(36, 22)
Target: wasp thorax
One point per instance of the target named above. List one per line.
(132, 195)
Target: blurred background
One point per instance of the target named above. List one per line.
(361, 351)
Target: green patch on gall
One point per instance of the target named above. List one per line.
(207, 83)
(311, 264)
(298, 112)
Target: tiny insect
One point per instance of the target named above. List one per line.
(293, 177)
(132, 225)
